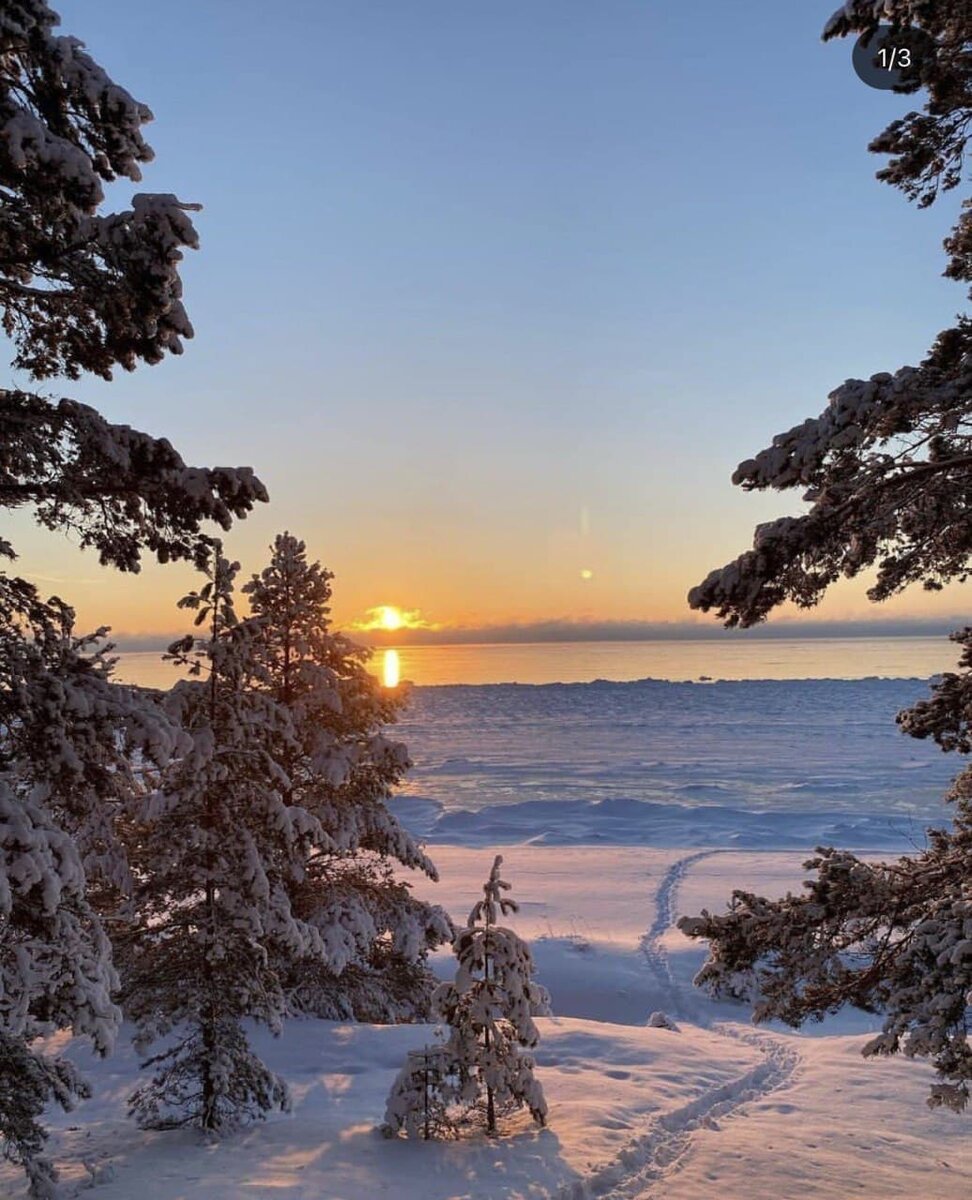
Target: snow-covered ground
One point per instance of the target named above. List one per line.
(602, 866)
(635, 1111)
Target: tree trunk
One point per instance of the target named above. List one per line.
(209, 1119)
(490, 1104)
(490, 1111)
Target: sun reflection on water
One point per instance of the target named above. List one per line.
(391, 669)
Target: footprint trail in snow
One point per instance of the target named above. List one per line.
(647, 1161)
(666, 898)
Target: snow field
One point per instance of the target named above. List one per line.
(604, 1084)
(712, 1109)
(841, 1127)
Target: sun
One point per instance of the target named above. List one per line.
(390, 617)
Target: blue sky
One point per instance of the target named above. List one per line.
(470, 269)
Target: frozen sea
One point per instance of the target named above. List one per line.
(792, 744)
(744, 763)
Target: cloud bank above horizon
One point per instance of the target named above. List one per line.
(554, 631)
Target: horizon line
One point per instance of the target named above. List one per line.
(564, 632)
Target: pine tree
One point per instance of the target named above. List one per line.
(221, 842)
(85, 290)
(489, 1009)
(80, 290)
(69, 738)
(421, 1100)
(342, 768)
(886, 470)
(116, 490)
(886, 467)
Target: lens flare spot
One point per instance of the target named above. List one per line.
(391, 669)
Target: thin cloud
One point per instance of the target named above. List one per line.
(644, 631)
(522, 633)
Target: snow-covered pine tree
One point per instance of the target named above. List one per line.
(489, 1008)
(886, 470)
(85, 290)
(342, 768)
(221, 842)
(55, 971)
(422, 1098)
(892, 938)
(80, 290)
(886, 467)
(68, 737)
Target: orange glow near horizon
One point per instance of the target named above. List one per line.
(392, 600)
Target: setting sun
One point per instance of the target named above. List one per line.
(391, 618)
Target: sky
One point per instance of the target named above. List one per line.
(494, 296)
